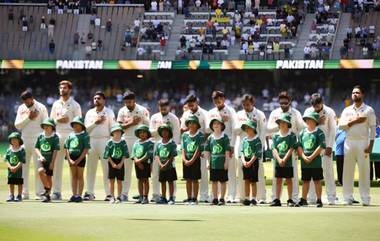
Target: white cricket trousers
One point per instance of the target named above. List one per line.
(30, 154)
(128, 167)
(203, 189)
(354, 152)
(98, 145)
(58, 165)
(231, 184)
(328, 176)
(295, 193)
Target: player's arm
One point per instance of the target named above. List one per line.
(228, 159)
(21, 120)
(271, 126)
(372, 130)
(89, 125)
(176, 131)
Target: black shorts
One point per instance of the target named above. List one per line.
(144, 173)
(192, 172)
(251, 173)
(169, 175)
(81, 163)
(283, 172)
(218, 175)
(114, 173)
(45, 166)
(15, 181)
(312, 173)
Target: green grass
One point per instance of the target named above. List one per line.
(32, 220)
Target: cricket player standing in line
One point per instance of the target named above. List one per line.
(327, 124)
(63, 112)
(228, 116)
(163, 117)
(98, 122)
(130, 117)
(194, 109)
(297, 125)
(250, 113)
(29, 117)
(359, 121)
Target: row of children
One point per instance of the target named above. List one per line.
(215, 149)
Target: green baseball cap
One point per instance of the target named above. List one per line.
(142, 128)
(116, 127)
(48, 122)
(250, 124)
(15, 135)
(218, 119)
(311, 115)
(193, 119)
(285, 118)
(78, 120)
(167, 127)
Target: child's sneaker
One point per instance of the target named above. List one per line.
(145, 200)
(319, 203)
(78, 199)
(112, 200)
(246, 202)
(46, 198)
(171, 201)
(11, 198)
(290, 203)
(253, 202)
(221, 202)
(88, 197)
(214, 201)
(187, 200)
(71, 200)
(139, 200)
(18, 198)
(56, 196)
(118, 200)
(194, 201)
(124, 198)
(302, 202)
(108, 198)
(275, 203)
(136, 197)
(162, 200)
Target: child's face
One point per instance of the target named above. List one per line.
(283, 125)
(250, 131)
(48, 129)
(116, 134)
(15, 142)
(165, 134)
(77, 128)
(193, 126)
(143, 135)
(217, 126)
(310, 123)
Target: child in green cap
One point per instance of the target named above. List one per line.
(14, 158)
(312, 143)
(142, 154)
(46, 148)
(76, 147)
(251, 152)
(116, 152)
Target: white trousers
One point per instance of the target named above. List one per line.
(231, 184)
(203, 189)
(58, 165)
(354, 152)
(29, 144)
(95, 154)
(128, 168)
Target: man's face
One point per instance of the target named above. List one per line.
(164, 109)
(284, 104)
(219, 102)
(130, 103)
(318, 107)
(28, 102)
(357, 95)
(247, 105)
(98, 101)
(64, 90)
(192, 106)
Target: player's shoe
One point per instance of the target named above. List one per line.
(187, 200)
(162, 200)
(112, 200)
(46, 198)
(290, 203)
(56, 196)
(253, 202)
(139, 200)
(118, 200)
(319, 203)
(88, 197)
(107, 198)
(25, 196)
(11, 198)
(302, 203)
(275, 203)
(214, 201)
(124, 198)
(246, 202)
(262, 202)
(136, 197)
(18, 198)
(221, 202)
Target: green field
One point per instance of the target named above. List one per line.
(98, 220)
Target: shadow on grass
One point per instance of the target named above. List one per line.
(164, 220)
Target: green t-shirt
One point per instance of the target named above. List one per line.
(217, 148)
(116, 150)
(76, 143)
(251, 147)
(165, 151)
(282, 144)
(14, 158)
(190, 144)
(310, 141)
(140, 149)
(47, 145)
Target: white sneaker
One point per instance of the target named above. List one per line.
(124, 198)
(112, 200)
(25, 196)
(365, 204)
(348, 202)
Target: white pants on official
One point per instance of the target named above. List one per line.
(328, 176)
(95, 154)
(295, 193)
(29, 144)
(128, 167)
(203, 189)
(354, 152)
(58, 165)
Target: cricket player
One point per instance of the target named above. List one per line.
(228, 116)
(327, 123)
(98, 122)
(297, 125)
(29, 117)
(130, 117)
(359, 121)
(250, 113)
(63, 112)
(161, 118)
(194, 109)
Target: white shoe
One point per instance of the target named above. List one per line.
(348, 202)
(25, 196)
(112, 200)
(124, 198)
(365, 204)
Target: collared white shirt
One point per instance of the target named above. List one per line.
(30, 128)
(229, 117)
(126, 115)
(170, 119)
(103, 129)
(359, 131)
(295, 117)
(202, 118)
(69, 109)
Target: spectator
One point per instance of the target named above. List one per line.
(10, 14)
(51, 46)
(43, 23)
(153, 5)
(109, 25)
(100, 44)
(51, 28)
